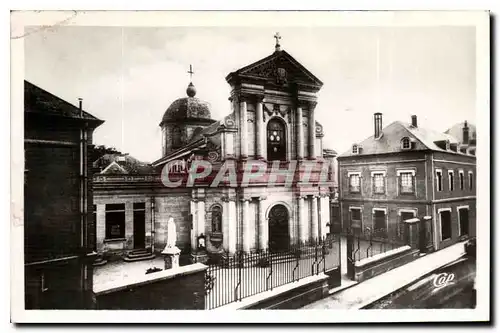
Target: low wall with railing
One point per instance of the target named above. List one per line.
(377, 251)
(243, 275)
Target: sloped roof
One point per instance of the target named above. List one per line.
(457, 131)
(37, 100)
(390, 140)
(121, 164)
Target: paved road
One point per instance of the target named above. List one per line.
(433, 292)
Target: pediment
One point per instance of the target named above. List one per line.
(280, 68)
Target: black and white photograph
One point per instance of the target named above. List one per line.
(322, 162)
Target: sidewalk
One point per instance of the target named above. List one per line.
(382, 285)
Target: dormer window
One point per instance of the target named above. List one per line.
(355, 149)
(405, 143)
(447, 144)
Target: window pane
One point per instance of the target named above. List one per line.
(406, 182)
(139, 205)
(354, 184)
(110, 207)
(115, 225)
(445, 225)
(378, 183)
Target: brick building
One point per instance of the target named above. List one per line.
(271, 124)
(59, 232)
(405, 171)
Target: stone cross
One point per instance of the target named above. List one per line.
(278, 37)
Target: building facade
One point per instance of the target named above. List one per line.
(404, 171)
(270, 142)
(59, 232)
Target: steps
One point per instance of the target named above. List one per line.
(138, 255)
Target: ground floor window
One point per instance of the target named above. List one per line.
(463, 221)
(115, 221)
(355, 218)
(445, 218)
(379, 223)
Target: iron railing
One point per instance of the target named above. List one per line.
(231, 278)
(371, 242)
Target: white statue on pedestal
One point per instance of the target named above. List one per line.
(171, 252)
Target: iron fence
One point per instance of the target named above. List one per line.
(371, 242)
(231, 278)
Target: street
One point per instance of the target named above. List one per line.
(451, 287)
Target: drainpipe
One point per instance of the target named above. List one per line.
(152, 224)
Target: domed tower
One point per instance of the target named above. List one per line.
(184, 117)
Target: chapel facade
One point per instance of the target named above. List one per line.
(270, 142)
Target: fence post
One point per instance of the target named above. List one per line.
(413, 232)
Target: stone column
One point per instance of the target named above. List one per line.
(246, 224)
(263, 227)
(244, 129)
(201, 218)
(259, 129)
(193, 206)
(232, 234)
(302, 220)
(311, 132)
(314, 218)
(300, 135)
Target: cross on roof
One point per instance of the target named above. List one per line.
(278, 37)
(190, 71)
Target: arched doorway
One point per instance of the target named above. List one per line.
(276, 140)
(278, 228)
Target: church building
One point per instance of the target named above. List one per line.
(270, 141)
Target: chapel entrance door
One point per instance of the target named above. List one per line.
(279, 237)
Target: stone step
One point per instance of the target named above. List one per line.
(138, 254)
(140, 251)
(99, 262)
(139, 258)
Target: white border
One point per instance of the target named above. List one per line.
(482, 181)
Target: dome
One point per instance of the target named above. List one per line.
(187, 108)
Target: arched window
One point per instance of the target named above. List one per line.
(405, 143)
(276, 140)
(176, 137)
(216, 219)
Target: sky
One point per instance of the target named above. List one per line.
(129, 76)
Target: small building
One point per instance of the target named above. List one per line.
(404, 171)
(59, 232)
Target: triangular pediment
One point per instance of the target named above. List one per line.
(279, 68)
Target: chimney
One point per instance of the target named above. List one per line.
(466, 133)
(414, 121)
(378, 124)
(80, 102)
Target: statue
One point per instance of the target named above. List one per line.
(171, 252)
(171, 233)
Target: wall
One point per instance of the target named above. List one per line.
(174, 289)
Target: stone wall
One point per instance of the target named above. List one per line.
(175, 289)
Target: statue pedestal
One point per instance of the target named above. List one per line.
(171, 257)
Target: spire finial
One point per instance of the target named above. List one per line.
(278, 37)
(191, 90)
